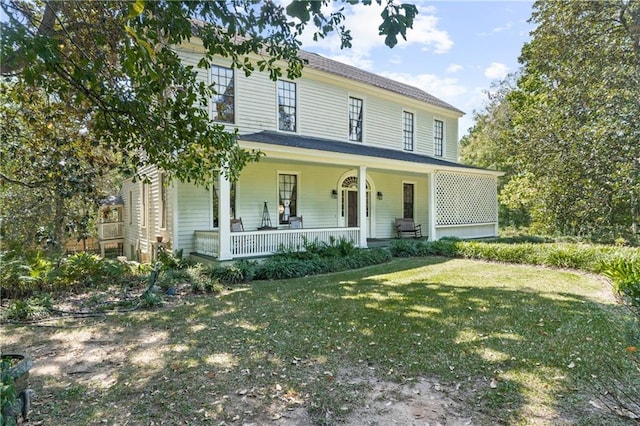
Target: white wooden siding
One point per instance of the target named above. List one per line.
(328, 116)
(322, 112)
(194, 213)
(142, 237)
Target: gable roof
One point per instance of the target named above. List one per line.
(306, 142)
(321, 63)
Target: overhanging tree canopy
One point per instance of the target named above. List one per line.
(114, 62)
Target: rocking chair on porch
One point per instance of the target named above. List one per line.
(406, 226)
(236, 225)
(295, 222)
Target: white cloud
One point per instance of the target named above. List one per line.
(453, 68)
(496, 71)
(363, 22)
(425, 32)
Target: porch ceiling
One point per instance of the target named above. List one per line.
(353, 153)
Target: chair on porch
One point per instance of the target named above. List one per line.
(295, 222)
(406, 227)
(236, 225)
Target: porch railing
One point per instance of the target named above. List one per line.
(263, 243)
(110, 230)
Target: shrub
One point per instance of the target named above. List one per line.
(172, 261)
(283, 267)
(625, 274)
(238, 272)
(403, 248)
(33, 308)
(150, 299)
(82, 270)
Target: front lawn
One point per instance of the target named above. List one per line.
(421, 340)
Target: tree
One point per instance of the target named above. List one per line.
(52, 171)
(573, 117)
(114, 62)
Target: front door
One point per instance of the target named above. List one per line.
(352, 209)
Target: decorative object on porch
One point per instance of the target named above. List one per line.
(295, 222)
(406, 226)
(236, 225)
(380, 195)
(265, 225)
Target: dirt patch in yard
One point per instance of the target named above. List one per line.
(77, 363)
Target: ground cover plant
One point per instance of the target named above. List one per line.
(416, 340)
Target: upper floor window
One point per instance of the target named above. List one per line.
(286, 106)
(223, 102)
(407, 128)
(438, 137)
(355, 119)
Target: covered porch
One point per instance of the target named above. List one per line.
(355, 196)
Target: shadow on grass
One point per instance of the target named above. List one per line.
(260, 352)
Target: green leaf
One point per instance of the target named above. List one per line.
(299, 9)
(136, 9)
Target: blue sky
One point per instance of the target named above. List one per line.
(455, 50)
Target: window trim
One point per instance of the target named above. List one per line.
(295, 106)
(130, 207)
(442, 138)
(162, 198)
(297, 174)
(213, 104)
(413, 131)
(362, 100)
(144, 195)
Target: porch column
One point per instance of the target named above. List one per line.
(362, 206)
(432, 206)
(224, 217)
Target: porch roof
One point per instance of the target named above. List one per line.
(306, 142)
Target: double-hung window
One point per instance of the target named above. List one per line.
(355, 119)
(407, 130)
(288, 197)
(223, 101)
(438, 138)
(286, 106)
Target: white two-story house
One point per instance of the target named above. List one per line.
(347, 152)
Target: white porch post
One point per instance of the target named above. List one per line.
(224, 217)
(432, 206)
(362, 205)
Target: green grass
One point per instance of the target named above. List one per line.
(547, 340)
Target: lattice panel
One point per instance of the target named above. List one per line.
(465, 199)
